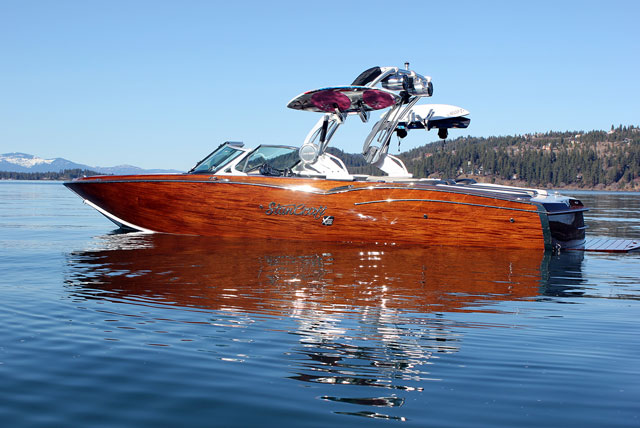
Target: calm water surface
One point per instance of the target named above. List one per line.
(108, 329)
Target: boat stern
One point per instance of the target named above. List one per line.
(565, 217)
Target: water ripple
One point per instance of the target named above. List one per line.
(151, 330)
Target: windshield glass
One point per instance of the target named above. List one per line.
(216, 159)
(279, 157)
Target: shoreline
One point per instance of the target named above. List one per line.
(627, 187)
(516, 183)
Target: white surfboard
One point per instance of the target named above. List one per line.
(435, 116)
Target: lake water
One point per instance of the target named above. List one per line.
(104, 329)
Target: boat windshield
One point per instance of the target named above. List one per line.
(218, 158)
(278, 157)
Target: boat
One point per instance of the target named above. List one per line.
(307, 193)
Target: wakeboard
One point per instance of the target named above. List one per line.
(344, 99)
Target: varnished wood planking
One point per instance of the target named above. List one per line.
(227, 208)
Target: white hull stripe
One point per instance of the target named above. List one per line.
(115, 219)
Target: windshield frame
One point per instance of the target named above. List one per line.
(244, 167)
(236, 151)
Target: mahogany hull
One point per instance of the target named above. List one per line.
(316, 210)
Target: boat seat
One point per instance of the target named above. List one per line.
(270, 171)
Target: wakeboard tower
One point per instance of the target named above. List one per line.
(401, 90)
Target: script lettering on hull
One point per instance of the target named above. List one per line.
(275, 208)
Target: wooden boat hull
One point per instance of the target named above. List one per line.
(316, 210)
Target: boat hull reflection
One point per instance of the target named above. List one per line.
(282, 277)
(370, 318)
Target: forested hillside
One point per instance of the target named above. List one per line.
(595, 159)
(67, 174)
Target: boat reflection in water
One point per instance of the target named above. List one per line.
(369, 315)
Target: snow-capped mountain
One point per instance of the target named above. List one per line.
(23, 162)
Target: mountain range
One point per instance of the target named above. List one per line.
(23, 162)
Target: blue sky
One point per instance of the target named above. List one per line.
(159, 84)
